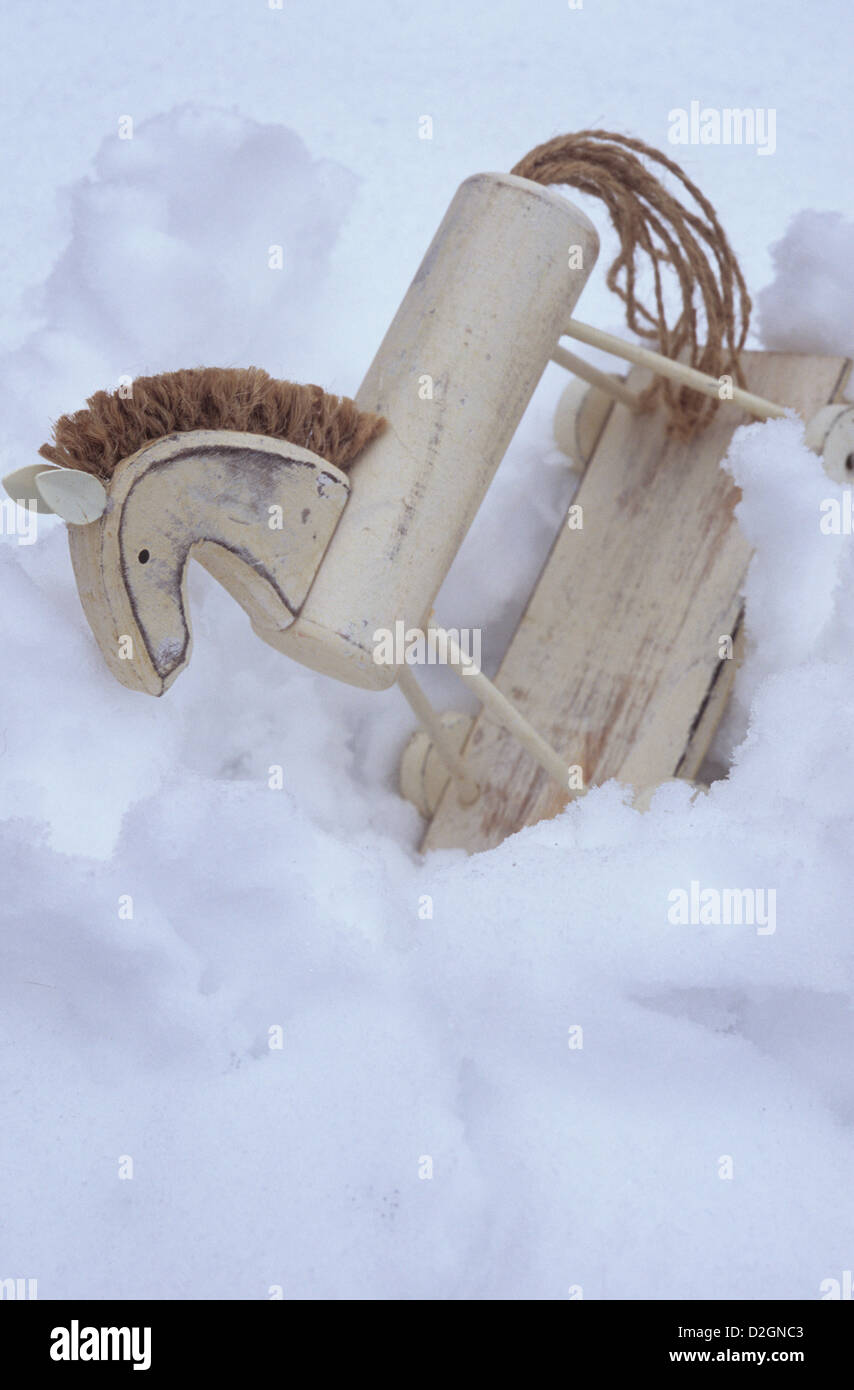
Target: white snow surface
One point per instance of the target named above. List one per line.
(406, 1038)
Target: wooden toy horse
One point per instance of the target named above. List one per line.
(257, 513)
(484, 312)
(323, 559)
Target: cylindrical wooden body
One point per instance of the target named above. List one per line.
(453, 376)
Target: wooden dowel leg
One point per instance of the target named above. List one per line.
(592, 375)
(675, 371)
(507, 714)
(467, 788)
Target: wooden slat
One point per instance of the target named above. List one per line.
(615, 660)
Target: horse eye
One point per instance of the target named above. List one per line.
(144, 557)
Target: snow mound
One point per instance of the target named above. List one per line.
(251, 1041)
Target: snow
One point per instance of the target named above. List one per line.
(406, 1037)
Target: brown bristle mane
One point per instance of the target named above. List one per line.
(209, 398)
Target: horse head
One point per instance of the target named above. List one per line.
(256, 512)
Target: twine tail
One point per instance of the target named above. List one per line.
(658, 233)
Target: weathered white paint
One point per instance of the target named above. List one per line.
(443, 740)
(424, 772)
(579, 420)
(617, 658)
(79, 498)
(612, 385)
(21, 487)
(205, 495)
(675, 371)
(481, 320)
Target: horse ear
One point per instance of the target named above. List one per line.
(75, 496)
(21, 486)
